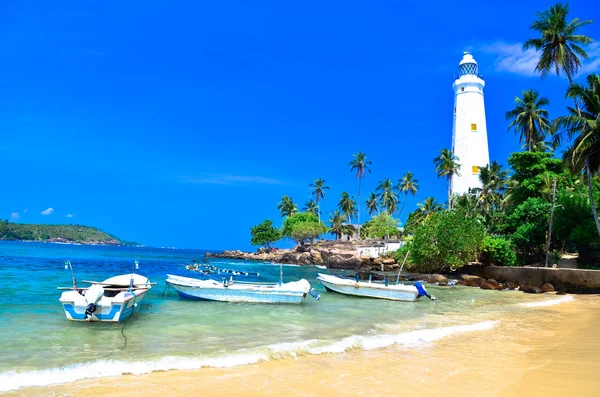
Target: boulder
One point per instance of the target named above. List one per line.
(529, 289)
(434, 278)
(338, 262)
(316, 257)
(301, 248)
(470, 281)
(366, 259)
(561, 292)
(227, 253)
(207, 254)
(491, 284)
(304, 258)
(546, 287)
(377, 261)
(389, 261)
(510, 285)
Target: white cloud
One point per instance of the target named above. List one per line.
(593, 64)
(216, 179)
(14, 216)
(48, 211)
(70, 215)
(25, 210)
(511, 58)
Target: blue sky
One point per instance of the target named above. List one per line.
(182, 124)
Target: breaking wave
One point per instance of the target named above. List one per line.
(550, 302)
(13, 380)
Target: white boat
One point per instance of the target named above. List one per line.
(397, 292)
(114, 299)
(236, 291)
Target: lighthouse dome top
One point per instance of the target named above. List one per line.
(468, 65)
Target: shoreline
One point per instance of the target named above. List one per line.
(549, 350)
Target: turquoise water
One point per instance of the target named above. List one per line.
(40, 347)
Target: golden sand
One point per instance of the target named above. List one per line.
(546, 351)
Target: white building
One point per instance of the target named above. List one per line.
(469, 131)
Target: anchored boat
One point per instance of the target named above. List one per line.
(236, 291)
(397, 292)
(114, 299)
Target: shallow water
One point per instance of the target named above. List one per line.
(168, 333)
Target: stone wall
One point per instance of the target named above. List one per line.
(537, 275)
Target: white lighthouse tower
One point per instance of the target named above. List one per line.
(469, 132)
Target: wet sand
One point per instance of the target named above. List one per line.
(545, 351)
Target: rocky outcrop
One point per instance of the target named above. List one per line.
(546, 287)
(470, 281)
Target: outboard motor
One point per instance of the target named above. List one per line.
(92, 297)
(314, 294)
(422, 291)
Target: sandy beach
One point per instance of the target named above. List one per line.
(547, 350)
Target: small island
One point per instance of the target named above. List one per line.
(68, 234)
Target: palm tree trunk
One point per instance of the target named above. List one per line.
(359, 208)
(591, 194)
(450, 192)
(403, 204)
(318, 210)
(550, 225)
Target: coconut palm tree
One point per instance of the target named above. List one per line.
(311, 207)
(426, 209)
(336, 223)
(387, 196)
(318, 191)
(493, 184)
(361, 165)
(348, 206)
(584, 125)
(287, 207)
(529, 120)
(372, 204)
(447, 165)
(559, 44)
(408, 184)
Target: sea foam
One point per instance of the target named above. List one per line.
(550, 302)
(13, 380)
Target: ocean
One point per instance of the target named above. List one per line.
(40, 347)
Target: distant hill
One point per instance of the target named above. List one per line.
(58, 234)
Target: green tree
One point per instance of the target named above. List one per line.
(336, 224)
(382, 225)
(372, 204)
(361, 165)
(532, 170)
(287, 207)
(584, 126)
(408, 184)
(447, 165)
(446, 241)
(528, 223)
(311, 207)
(559, 44)
(318, 190)
(302, 226)
(529, 120)
(493, 184)
(387, 196)
(348, 206)
(423, 212)
(264, 234)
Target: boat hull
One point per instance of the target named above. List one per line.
(237, 292)
(369, 290)
(107, 310)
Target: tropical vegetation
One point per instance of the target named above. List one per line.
(59, 233)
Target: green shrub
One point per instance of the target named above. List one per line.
(497, 251)
(446, 241)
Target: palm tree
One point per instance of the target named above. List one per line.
(426, 209)
(336, 223)
(311, 207)
(493, 184)
(348, 206)
(408, 184)
(529, 120)
(387, 196)
(584, 125)
(287, 207)
(559, 44)
(319, 188)
(360, 164)
(447, 165)
(372, 204)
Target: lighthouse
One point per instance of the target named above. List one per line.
(469, 130)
